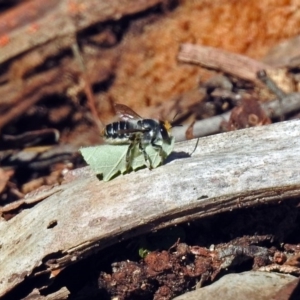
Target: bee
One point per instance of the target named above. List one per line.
(135, 130)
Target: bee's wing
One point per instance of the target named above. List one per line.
(125, 113)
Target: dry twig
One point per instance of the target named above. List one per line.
(235, 64)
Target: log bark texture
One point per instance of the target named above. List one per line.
(226, 172)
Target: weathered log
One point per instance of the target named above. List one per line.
(226, 172)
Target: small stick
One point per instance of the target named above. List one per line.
(29, 138)
(87, 86)
(273, 87)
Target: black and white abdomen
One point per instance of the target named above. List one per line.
(118, 132)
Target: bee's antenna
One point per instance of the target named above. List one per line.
(179, 125)
(175, 116)
(195, 147)
(173, 121)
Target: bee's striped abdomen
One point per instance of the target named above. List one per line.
(115, 133)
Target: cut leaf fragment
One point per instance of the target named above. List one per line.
(110, 160)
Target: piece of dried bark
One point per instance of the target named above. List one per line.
(247, 285)
(248, 114)
(61, 294)
(38, 195)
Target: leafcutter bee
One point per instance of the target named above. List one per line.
(135, 130)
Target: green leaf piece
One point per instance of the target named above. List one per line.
(110, 160)
(143, 252)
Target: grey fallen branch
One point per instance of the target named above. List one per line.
(226, 172)
(291, 103)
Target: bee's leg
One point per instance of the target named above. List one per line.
(146, 156)
(157, 147)
(129, 154)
